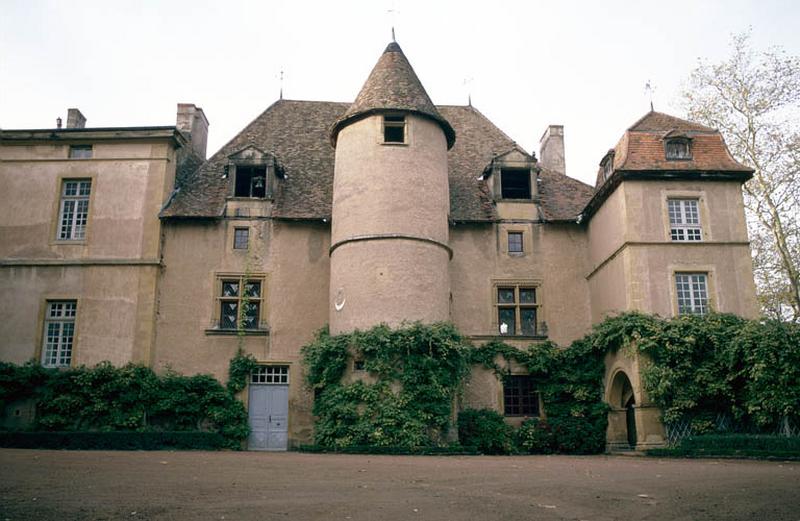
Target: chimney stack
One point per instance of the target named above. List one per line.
(75, 119)
(192, 122)
(551, 149)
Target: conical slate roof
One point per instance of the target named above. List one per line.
(392, 85)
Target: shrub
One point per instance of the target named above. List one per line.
(486, 430)
(535, 437)
(737, 445)
(119, 440)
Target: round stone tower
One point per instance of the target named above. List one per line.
(389, 239)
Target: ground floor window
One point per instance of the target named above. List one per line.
(59, 332)
(520, 397)
(692, 291)
(270, 374)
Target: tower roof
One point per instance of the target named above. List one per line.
(392, 86)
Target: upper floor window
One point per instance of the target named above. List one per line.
(251, 181)
(515, 183)
(240, 303)
(73, 210)
(517, 309)
(608, 166)
(515, 244)
(678, 149)
(241, 238)
(59, 331)
(394, 128)
(692, 292)
(684, 220)
(80, 151)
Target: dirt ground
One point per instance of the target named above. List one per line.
(62, 485)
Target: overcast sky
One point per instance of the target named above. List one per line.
(526, 64)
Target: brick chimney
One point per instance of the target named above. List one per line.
(75, 119)
(192, 122)
(551, 149)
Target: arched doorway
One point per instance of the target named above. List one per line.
(623, 402)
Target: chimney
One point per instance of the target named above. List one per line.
(551, 149)
(192, 122)
(75, 119)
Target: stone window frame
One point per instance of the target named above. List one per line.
(704, 214)
(520, 243)
(684, 209)
(534, 405)
(685, 269)
(216, 328)
(47, 318)
(540, 330)
(59, 206)
(237, 245)
(270, 171)
(495, 171)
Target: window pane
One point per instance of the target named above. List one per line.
(507, 321)
(251, 181)
(515, 184)
(528, 318)
(520, 396)
(230, 288)
(228, 314)
(527, 295)
(515, 242)
(252, 289)
(241, 237)
(250, 315)
(505, 295)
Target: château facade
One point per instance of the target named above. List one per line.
(128, 245)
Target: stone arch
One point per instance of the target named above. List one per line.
(620, 395)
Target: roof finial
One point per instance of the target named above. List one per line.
(392, 12)
(393, 38)
(281, 93)
(649, 89)
(468, 85)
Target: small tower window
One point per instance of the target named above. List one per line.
(678, 149)
(394, 129)
(251, 181)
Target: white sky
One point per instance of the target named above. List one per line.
(528, 63)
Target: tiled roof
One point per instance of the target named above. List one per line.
(392, 85)
(296, 133)
(641, 148)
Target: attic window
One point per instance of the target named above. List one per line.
(608, 167)
(515, 183)
(394, 129)
(678, 149)
(251, 181)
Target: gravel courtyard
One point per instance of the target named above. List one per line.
(61, 485)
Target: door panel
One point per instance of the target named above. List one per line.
(268, 417)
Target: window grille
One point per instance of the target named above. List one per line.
(270, 374)
(59, 332)
(684, 220)
(692, 291)
(74, 209)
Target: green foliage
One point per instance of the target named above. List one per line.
(535, 437)
(239, 370)
(736, 445)
(446, 450)
(117, 440)
(486, 430)
(417, 370)
(128, 398)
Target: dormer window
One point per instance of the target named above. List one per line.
(251, 181)
(678, 149)
(608, 165)
(515, 184)
(394, 128)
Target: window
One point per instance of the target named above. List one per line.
(684, 220)
(516, 310)
(394, 129)
(692, 290)
(80, 151)
(74, 209)
(270, 374)
(59, 331)
(608, 166)
(515, 183)
(251, 181)
(241, 238)
(678, 149)
(519, 396)
(515, 242)
(240, 303)
(358, 365)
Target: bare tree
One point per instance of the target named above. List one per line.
(754, 100)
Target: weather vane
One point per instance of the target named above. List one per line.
(393, 11)
(468, 85)
(281, 82)
(649, 89)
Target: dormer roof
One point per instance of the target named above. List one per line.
(392, 86)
